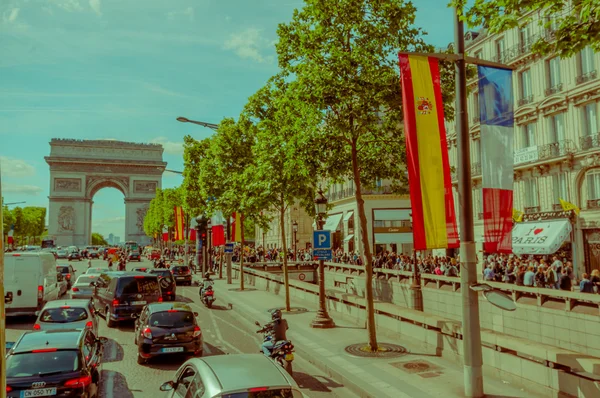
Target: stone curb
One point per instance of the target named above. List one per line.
(314, 359)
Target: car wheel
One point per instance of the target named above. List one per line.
(109, 322)
(140, 360)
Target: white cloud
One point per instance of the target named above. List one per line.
(247, 44)
(29, 190)
(96, 6)
(187, 13)
(171, 147)
(16, 168)
(10, 16)
(68, 5)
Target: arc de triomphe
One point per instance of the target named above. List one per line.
(80, 168)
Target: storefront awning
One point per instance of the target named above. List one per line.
(348, 215)
(540, 237)
(332, 222)
(349, 237)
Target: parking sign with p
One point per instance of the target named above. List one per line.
(322, 239)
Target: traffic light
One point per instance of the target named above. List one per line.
(203, 237)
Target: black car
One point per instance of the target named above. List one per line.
(67, 272)
(182, 274)
(165, 329)
(74, 255)
(166, 282)
(64, 363)
(93, 254)
(134, 256)
(117, 295)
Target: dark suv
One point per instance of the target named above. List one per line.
(118, 295)
(64, 363)
(166, 283)
(167, 328)
(182, 274)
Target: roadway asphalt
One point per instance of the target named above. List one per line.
(224, 333)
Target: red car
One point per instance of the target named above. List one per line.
(155, 255)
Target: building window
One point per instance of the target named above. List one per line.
(476, 151)
(557, 127)
(475, 107)
(593, 185)
(590, 119)
(525, 35)
(500, 49)
(477, 202)
(586, 61)
(478, 54)
(531, 193)
(526, 90)
(528, 135)
(379, 223)
(554, 80)
(559, 187)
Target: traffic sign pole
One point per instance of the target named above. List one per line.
(2, 299)
(322, 244)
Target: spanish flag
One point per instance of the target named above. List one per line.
(567, 206)
(179, 223)
(432, 202)
(237, 225)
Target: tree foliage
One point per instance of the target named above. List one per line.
(572, 25)
(28, 221)
(98, 239)
(194, 154)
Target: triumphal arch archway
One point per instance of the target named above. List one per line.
(80, 168)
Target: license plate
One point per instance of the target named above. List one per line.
(40, 392)
(289, 357)
(138, 303)
(172, 349)
(181, 277)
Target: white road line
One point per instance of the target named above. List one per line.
(206, 349)
(218, 331)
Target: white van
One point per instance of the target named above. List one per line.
(31, 278)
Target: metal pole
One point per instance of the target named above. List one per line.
(295, 248)
(473, 361)
(229, 254)
(185, 247)
(2, 304)
(322, 320)
(198, 248)
(241, 226)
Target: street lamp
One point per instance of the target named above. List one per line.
(209, 244)
(322, 320)
(295, 229)
(174, 171)
(416, 283)
(200, 223)
(204, 124)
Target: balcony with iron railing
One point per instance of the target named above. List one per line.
(589, 141)
(554, 89)
(556, 149)
(532, 209)
(525, 100)
(557, 207)
(350, 192)
(593, 204)
(586, 77)
(476, 169)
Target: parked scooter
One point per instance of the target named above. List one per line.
(282, 352)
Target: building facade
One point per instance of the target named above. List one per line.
(556, 135)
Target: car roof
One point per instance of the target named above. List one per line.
(59, 339)
(175, 305)
(243, 371)
(67, 303)
(128, 273)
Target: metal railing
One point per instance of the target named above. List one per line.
(476, 169)
(556, 149)
(554, 89)
(476, 119)
(525, 100)
(532, 209)
(557, 207)
(350, 192)
(589, 141)
(586, 77)
(593, 204)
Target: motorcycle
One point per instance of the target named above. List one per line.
(282, 352)
(208, 297)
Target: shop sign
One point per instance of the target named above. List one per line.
(391, 230)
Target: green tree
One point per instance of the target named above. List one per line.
(343, 54)
(98, 239)
(154, 219)
(8, 219)
(193, 155)
(570, 26)
(285, 171)
(171, 198)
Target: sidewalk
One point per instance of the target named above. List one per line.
(368, 377)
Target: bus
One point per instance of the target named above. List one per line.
(131, 246)
(48, 244)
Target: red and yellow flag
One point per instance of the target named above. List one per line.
(237, 225)
(179, 223)
(432, 202)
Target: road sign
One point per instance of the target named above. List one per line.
(228, 248)
(322, 254)
(302, 277)
(322, 239)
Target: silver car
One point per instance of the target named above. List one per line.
(97, 270)
(67, 314)
(243, 375)
(81, 289)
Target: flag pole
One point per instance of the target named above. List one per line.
(186, 222)
(473, 359)
(2, 299)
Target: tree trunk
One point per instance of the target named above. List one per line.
(242, 253)
(286, 279)
(364, 234)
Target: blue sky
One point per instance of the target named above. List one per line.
(125, 69)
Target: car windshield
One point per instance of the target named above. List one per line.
(63, 315)
(64, 270)
(161, 273)
(178, 319)
(139, 285)
(34, 363)
(276, 393)
(85, 279)
(181, 269)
